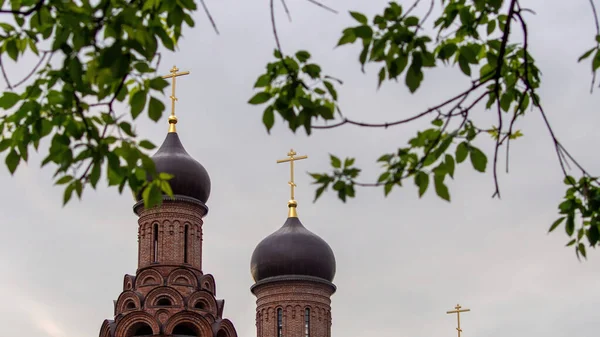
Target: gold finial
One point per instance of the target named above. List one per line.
(292, 204)
(174, 74)
(457, 312)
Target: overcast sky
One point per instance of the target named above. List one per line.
(402, 262)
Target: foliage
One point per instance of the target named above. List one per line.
(92, 54)
(475, 36)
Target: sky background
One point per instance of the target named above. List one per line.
(402, 262)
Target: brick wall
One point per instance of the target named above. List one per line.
(293, 297)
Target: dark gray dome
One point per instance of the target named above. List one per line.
(293, 250)
(190, 177)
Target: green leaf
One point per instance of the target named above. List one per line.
(303, 55)
(9, 99)
(413, 79)
(263, 81)
(68, 193)
(462, 150)
(331, 90)
(269, 118)
(449, 163)
(387, 188)
(596, 61)
(478, 159)
(422, 181)
(137, 102)
(260, 98)
(146, 144)
(12, 161)
(347, 37)
(361, 18)
(556, 224)
(570, 225)
(440, 188)
(491, 26)
(464, 65)
(586, 54)
(320, 191)
(158, 83)
(12, 49)
(335, 161)
(155, 109)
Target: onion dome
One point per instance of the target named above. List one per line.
(190, 178)
(293, 250)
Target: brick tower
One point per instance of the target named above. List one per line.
(293, 270)
(169, 294)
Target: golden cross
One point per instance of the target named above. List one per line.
(457, 312)
(292, 157)
(174, 73)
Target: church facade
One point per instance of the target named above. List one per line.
(171, 296)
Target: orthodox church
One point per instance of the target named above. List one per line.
(170, 295)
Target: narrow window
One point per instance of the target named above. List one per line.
(279, 322)
(307, 322)
(155, 243)
(185, 244)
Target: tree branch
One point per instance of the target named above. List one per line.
(402, 121)
(27, 12)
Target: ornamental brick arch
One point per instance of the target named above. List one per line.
(128, 282)
(205, 298)
(208, 282)
(161, 292)
(107, 329)
(189, 319)
(148, 277)
(125, 301)
(129, 324)
(225, 328)
(182, 277)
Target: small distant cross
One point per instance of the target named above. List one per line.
(174, 73)
(292, 157)
(457, 312)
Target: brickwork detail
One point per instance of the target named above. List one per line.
(169, 296)
(293, 297)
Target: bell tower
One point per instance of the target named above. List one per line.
(293, 270)
(170, 295)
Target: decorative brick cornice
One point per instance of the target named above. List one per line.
(138, 207)
(288, 278)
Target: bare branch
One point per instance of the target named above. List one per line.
(34, 69)
(4, 74)
(287, 11)
(402, 121)
(314, 2)
(27, 12)
(210, 18)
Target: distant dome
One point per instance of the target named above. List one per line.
(293, 250)
(190, 177)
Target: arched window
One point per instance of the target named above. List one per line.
(307, 322)
(163, 302)
(279, 322)
(185, 244)
(155, 244)
(140, 329)
(186, 329)
(130, 305)
(200, 305)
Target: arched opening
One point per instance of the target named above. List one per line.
(155, 244)
(130, 305)
(163, 302)
(307, 322)
(185, 244)
(200, 305)
(221, 333)
(186, 329)
(140, 329)
(279, 322)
